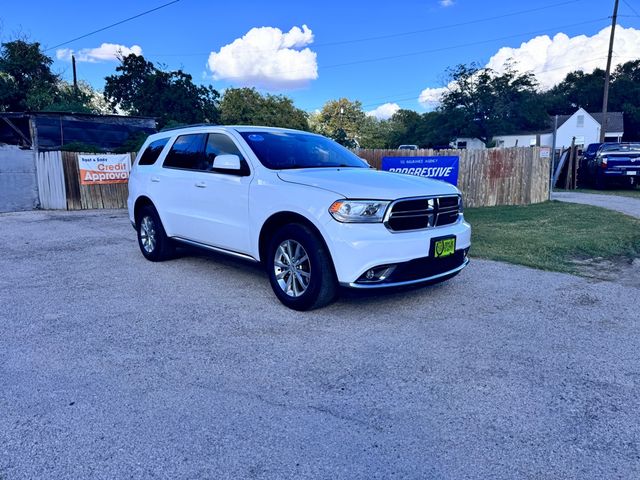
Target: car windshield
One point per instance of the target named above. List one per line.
(286, 150)
(593, 148)
(621, 147)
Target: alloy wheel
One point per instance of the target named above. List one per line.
(148, 234)
(292, 268)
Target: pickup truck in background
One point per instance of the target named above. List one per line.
(613, 163)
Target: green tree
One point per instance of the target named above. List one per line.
(578, 89)
(403, 128)
(374, 133)
(246, 106)
(625, 97)
(140, 88)
(69, 99)
(342, 120)
(486, 103)
(437, 130)
(26, 79)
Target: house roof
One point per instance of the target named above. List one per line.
(615, 123)
(615, 120)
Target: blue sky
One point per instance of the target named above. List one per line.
(340, 37)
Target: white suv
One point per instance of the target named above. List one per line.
(316, 215)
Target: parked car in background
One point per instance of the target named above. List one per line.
(408, 147)
(312, 212)
(587, 156)
(590, 152)
(613, 163)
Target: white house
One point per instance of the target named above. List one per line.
(519, 140)
(465, 143)
(581, 125)
(585, 127)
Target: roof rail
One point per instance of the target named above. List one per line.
(178, 127)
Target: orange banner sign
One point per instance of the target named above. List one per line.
(103, 169)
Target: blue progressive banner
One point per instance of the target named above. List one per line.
(438, 168)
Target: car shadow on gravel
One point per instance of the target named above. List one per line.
(348, 295)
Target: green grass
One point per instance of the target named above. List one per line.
(552, 235)
(621, 192)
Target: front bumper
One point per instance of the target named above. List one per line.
(431, 276)
(357, 248)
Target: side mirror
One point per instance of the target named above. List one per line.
(227, 162)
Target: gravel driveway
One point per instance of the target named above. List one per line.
(115, 367)
(628, 205)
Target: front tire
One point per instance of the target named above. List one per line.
(300, 268)
(152, 239)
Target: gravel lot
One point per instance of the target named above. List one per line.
(115, 367)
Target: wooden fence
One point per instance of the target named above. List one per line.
(59, 185)
(497, 176)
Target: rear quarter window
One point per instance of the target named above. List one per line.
(152, 152)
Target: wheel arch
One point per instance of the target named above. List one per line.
(279, 220)
(141, 202)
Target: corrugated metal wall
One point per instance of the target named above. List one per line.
(53, 194)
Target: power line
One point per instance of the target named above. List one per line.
(444, 27)
(630, 7)
(400, 34)
(435, 50)
(112, 25)
(461, 45)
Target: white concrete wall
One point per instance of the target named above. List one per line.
(546, 140)
(18, 184)
(508, 141)
(472, 143)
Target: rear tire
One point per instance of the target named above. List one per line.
(300, 268)
(152, 239)
(599, 182)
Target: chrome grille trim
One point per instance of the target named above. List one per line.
(435, 212)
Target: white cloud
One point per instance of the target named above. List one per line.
(107, 52)
(430, 97)
(446, 3)
(551, 59)
(267, 57)
(384, 112)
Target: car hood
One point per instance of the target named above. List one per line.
(367, 183)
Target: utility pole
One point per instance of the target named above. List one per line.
(75, 76)
(607, 73)
(553, 155)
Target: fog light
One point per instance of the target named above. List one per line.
(376, 274)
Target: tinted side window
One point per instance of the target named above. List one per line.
(187, 152)
(220, 144)
(152, 152)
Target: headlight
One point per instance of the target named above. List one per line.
(359, 211)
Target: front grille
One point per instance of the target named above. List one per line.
(423, 212)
